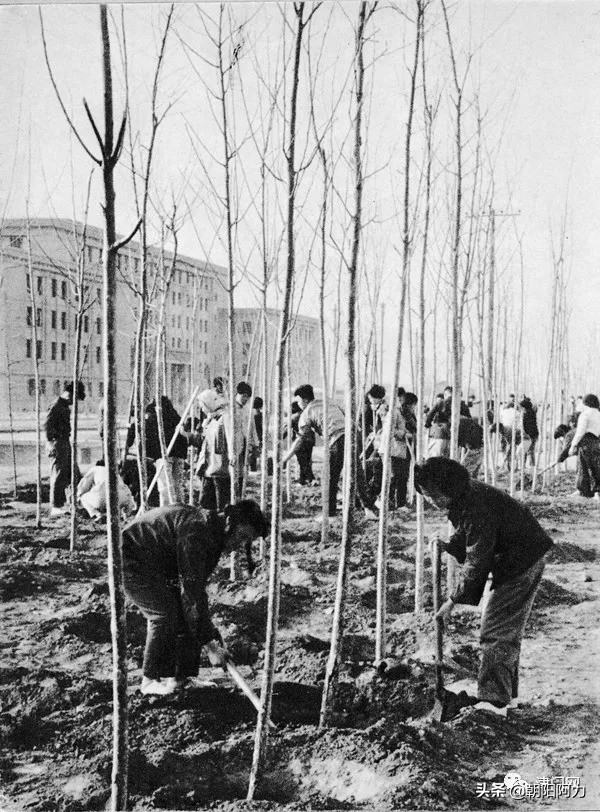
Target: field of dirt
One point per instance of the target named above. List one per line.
(193, 750)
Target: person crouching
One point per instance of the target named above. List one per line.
(169, 554)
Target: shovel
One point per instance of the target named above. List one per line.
(241, 683)
(436, 560)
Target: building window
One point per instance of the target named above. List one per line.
(172, 321)
(43, 386)
(173, 297)
(178, 343)
(40, 285)
(16, 241)
(38, 316)
(28, 348)
(101, 389)
(29, 312)
(38, 349)
(54, 287)
(187, 343)
(98, 327)
(205, 326)
(63, 290)
(98, 355)
(86, 324)
(63, 352)
(179, 297)
(99, 294)
(206, 304)
(179, 322)
(56, 388)
(28, 282)
(53, 319)
(173, 343)
(63, 321)
(187, 323)
(90, 256)
(53, 351)
(31, 386)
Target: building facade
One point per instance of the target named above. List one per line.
(187, 294)
(304, 354)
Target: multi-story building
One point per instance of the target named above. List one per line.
(50, 253)
(304, 356)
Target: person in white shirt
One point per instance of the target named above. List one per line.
(312, 419)
(91, 492)
(586, 442)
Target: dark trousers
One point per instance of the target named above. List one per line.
(170, 649)
(336, 464)
(216, 493)
(588, 465)
(502, 628)
(304, 457)
(60, 474)
(399, 481)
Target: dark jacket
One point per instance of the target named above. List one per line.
(494, 533)
(182, 544)
(470, 433)
(442, 413)
(58, 422)
(171, 420)
(530, 426)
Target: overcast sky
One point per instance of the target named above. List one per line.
(536, 64)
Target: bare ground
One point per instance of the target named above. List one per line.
(193, 750)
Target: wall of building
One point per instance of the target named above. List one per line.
(193, 301)
(305, 362)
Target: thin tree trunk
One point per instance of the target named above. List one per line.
(10, 422)
(382, 555)
(115, 552)
(332, 669)
(264, 715)
(36, 378)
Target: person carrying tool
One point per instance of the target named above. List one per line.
(494, 534)
(169, 554)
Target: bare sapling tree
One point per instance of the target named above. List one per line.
(264, 715)
(11, 430)
(429, 113)
(35, 320)
(381, 607)
(83, 302)
(141, 177)
(110, 151)
(167, 274)
(365, 12)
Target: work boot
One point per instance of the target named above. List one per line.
(157, 686)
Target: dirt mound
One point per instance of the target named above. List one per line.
(552, 594)
(563, 552)
(19, 581)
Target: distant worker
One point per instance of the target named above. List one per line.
(58, 445)
(169, 554)
(586, 441)
(494, 534)
(92, 492)
(312, 419)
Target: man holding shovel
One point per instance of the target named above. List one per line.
(169, 554)
(494, 535)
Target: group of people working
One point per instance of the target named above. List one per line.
(170, 552)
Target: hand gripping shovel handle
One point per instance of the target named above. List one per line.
(236, 677)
